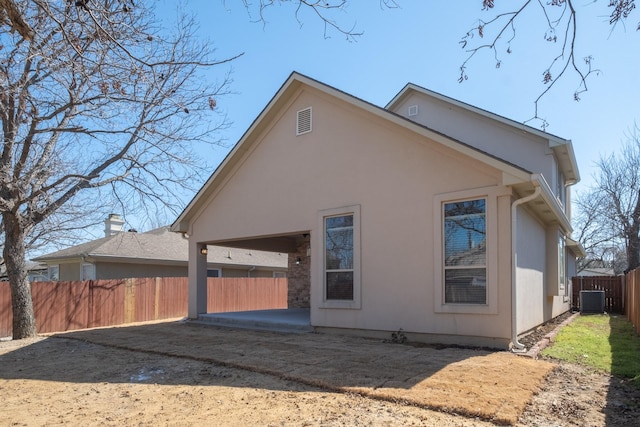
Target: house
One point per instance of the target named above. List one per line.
(597, 271)
(156, 253)
(428, 215)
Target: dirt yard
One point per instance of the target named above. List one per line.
(147, 375)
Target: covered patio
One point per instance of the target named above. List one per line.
(295, 318)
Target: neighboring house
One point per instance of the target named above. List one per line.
(429, 215)
(156, 253)
(597, 271)
(37, 272)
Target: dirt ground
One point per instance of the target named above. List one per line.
(148, 376)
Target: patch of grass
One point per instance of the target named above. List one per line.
(604, 342)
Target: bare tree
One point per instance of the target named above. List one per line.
(327, 11)
(99, 105)
(601, 239)
(497, 36)
(610, 210)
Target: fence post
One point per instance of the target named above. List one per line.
(129, 301)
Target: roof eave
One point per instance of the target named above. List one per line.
(577, 248)
(563, 150)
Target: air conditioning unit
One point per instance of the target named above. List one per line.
(591, 301)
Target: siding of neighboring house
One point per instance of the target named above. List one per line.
(108, 270)
(245, 272)
(69, 271)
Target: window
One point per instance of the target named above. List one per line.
(214, 272)
(467, 229)
(88, 272)
(465, 252)
(561, 264)
(279, 274)
(53, 273)
(339, 257)
(560, 188)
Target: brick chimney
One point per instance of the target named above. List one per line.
(113, 225)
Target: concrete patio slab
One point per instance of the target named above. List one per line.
(294, 320)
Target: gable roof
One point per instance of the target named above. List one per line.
(511, 174)
(161, 246)
(562, 148)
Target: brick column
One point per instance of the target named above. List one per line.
(299, 276)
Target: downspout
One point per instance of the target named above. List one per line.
(517, 346)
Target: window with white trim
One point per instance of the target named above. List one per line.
(561, 264)
(338, 232)
(53, 273)
(465, 252)
(88, 272)
(339, 246)
(561, 190)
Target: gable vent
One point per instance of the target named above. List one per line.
(303, 124)
(413, 110)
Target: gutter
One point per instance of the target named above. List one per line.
(535, 180)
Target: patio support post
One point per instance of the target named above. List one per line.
(197, 280)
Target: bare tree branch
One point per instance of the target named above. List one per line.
(561, 29)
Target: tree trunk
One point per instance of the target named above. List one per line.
(24, 321)
(633, 249)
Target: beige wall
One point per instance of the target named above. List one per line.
(537, 273)
(353, 158)
(521, 148)
(530, 272)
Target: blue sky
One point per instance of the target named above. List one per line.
(419, 43)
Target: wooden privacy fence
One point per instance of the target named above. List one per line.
(632, 280)
(63, 306)
(613, 287)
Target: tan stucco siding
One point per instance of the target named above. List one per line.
(350, 156)
(518, 147)
(354, 158)
(530, 270)
(536, 268)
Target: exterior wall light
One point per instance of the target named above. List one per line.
(203, 251)
(298, 261)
